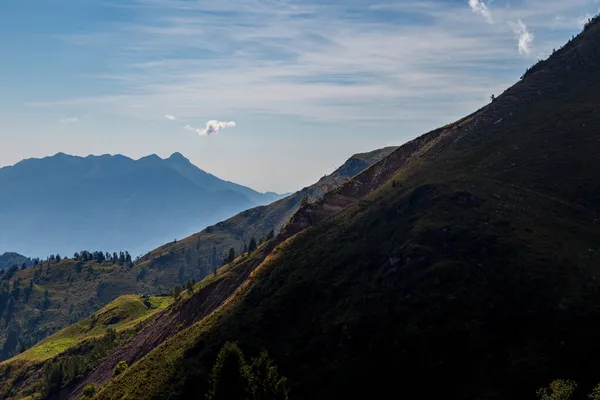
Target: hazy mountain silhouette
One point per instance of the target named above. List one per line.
(65, 203)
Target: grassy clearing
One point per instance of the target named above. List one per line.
(121, 314)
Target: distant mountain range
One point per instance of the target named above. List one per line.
(64, 203)
(7, 260)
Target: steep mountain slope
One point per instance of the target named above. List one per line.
(195, 253)
(134, 205)
(463, 266)
(7, 260)
(77, 288)
(70, 352)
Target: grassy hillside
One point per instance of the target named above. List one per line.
(195, 252)
(472, 272)
(71, 352)
(76, 289)
(123, 313)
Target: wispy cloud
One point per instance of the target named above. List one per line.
(68, 120)
(213, 127)
(480, 8)
(170, 117)
(314, 61)
(524, 35)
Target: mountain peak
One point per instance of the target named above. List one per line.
(178, 157)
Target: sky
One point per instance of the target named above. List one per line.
(272, 94)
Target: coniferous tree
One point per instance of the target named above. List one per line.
(231, 255)
(266, 383)
(230, 378)
(214, 258)
(181, 273)
(252, 246)
(177, 292)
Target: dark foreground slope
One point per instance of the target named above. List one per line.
(468, 269)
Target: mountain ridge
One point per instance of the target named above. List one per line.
(147, 201)
(464, 263)
(78, 287)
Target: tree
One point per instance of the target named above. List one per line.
(120, 368)
(230, 377)
(54, 377)
(190, 287)
(231, 255)
(558, 390)
(89, 390)
(46, 301)
(266, 383)
(58, 258)
(177, 292)
(271, 235)
(27, 292)
(181, 272)
(252, 246)
(76, 256)
(493, 97)
(214, 258)
(595, 395)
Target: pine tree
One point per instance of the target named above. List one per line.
(181, 273)
(231, 255)
(230, 378)
(214, 258)
(252, 246)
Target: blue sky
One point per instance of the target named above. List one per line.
(307, 83)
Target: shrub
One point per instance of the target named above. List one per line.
(89, 390)
(120, 368)
(559, 389)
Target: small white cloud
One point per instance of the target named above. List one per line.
(480, 8)
(212, 127)
(170, 117)
(524, 35)
(68, 120)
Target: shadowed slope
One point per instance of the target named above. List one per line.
(471, 273)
